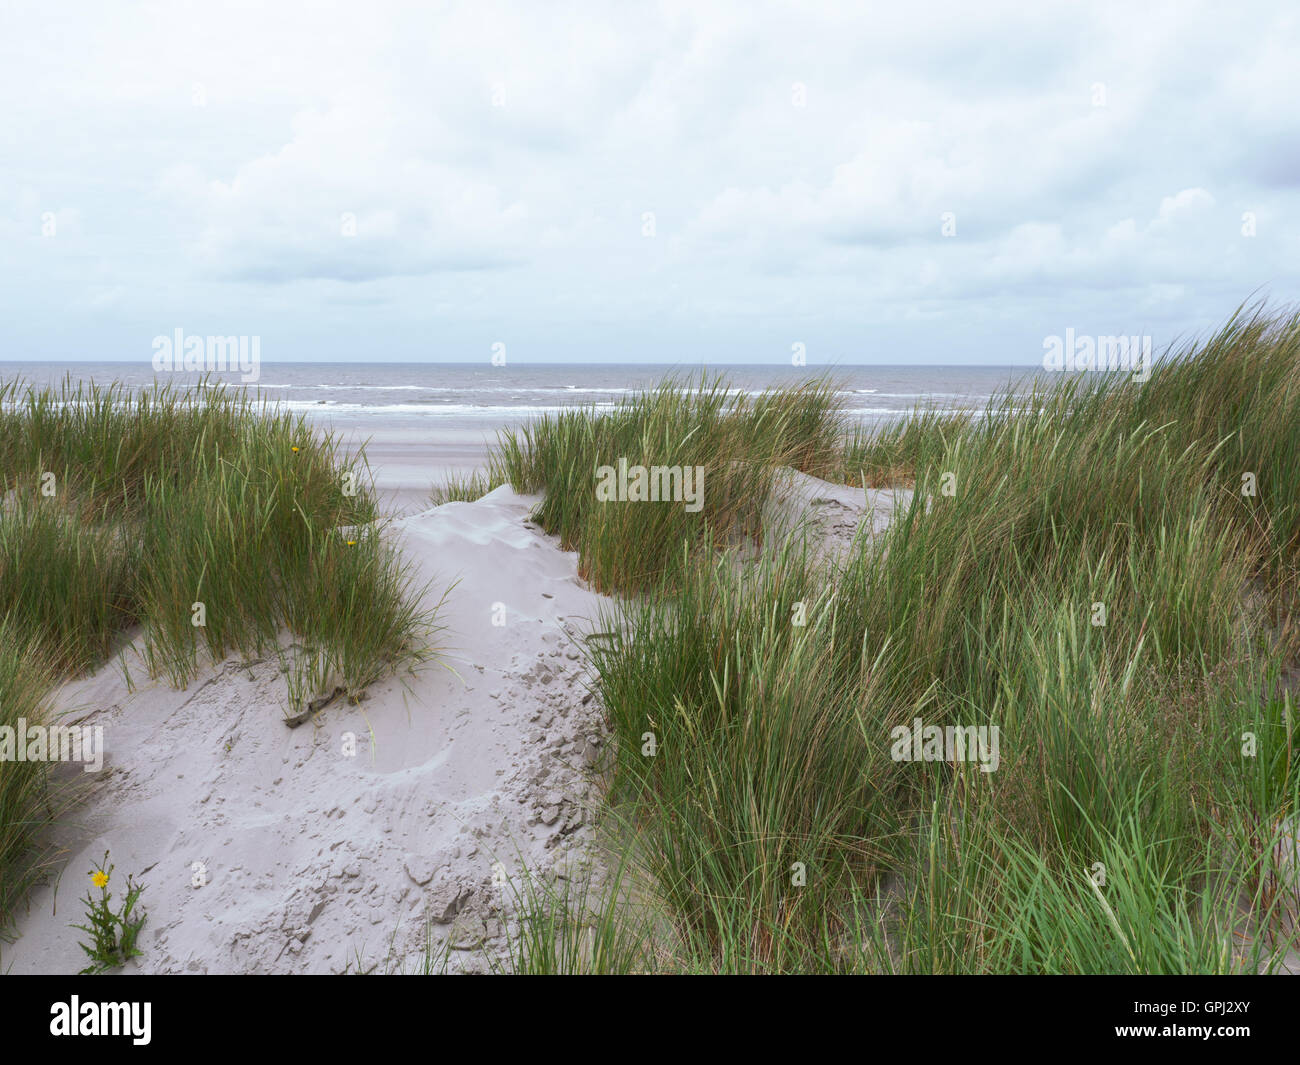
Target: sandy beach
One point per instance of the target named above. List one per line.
(407, 460)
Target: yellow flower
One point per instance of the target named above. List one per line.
(295, 448)
(99, 878)
(352, 543)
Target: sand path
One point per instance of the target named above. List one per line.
(313, 860)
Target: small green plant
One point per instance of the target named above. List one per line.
(114, 934)
(466, 488)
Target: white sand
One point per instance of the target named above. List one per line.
(317, 862)
(830, 515)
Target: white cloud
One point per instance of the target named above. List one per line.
(346, 199)
(1183, 203)
(498, 159)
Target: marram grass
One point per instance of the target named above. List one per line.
(1104, 571)
(202, 522)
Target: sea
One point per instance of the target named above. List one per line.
(460, 395)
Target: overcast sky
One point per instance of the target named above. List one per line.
(632, 182)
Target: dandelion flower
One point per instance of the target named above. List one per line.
(99, 878)
(295, 447)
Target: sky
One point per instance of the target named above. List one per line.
(679, 182)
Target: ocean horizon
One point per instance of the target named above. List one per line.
(474, 392)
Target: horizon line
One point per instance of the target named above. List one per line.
(516, 365)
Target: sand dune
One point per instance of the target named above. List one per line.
(314, 861)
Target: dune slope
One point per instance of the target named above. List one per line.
(270, 849)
